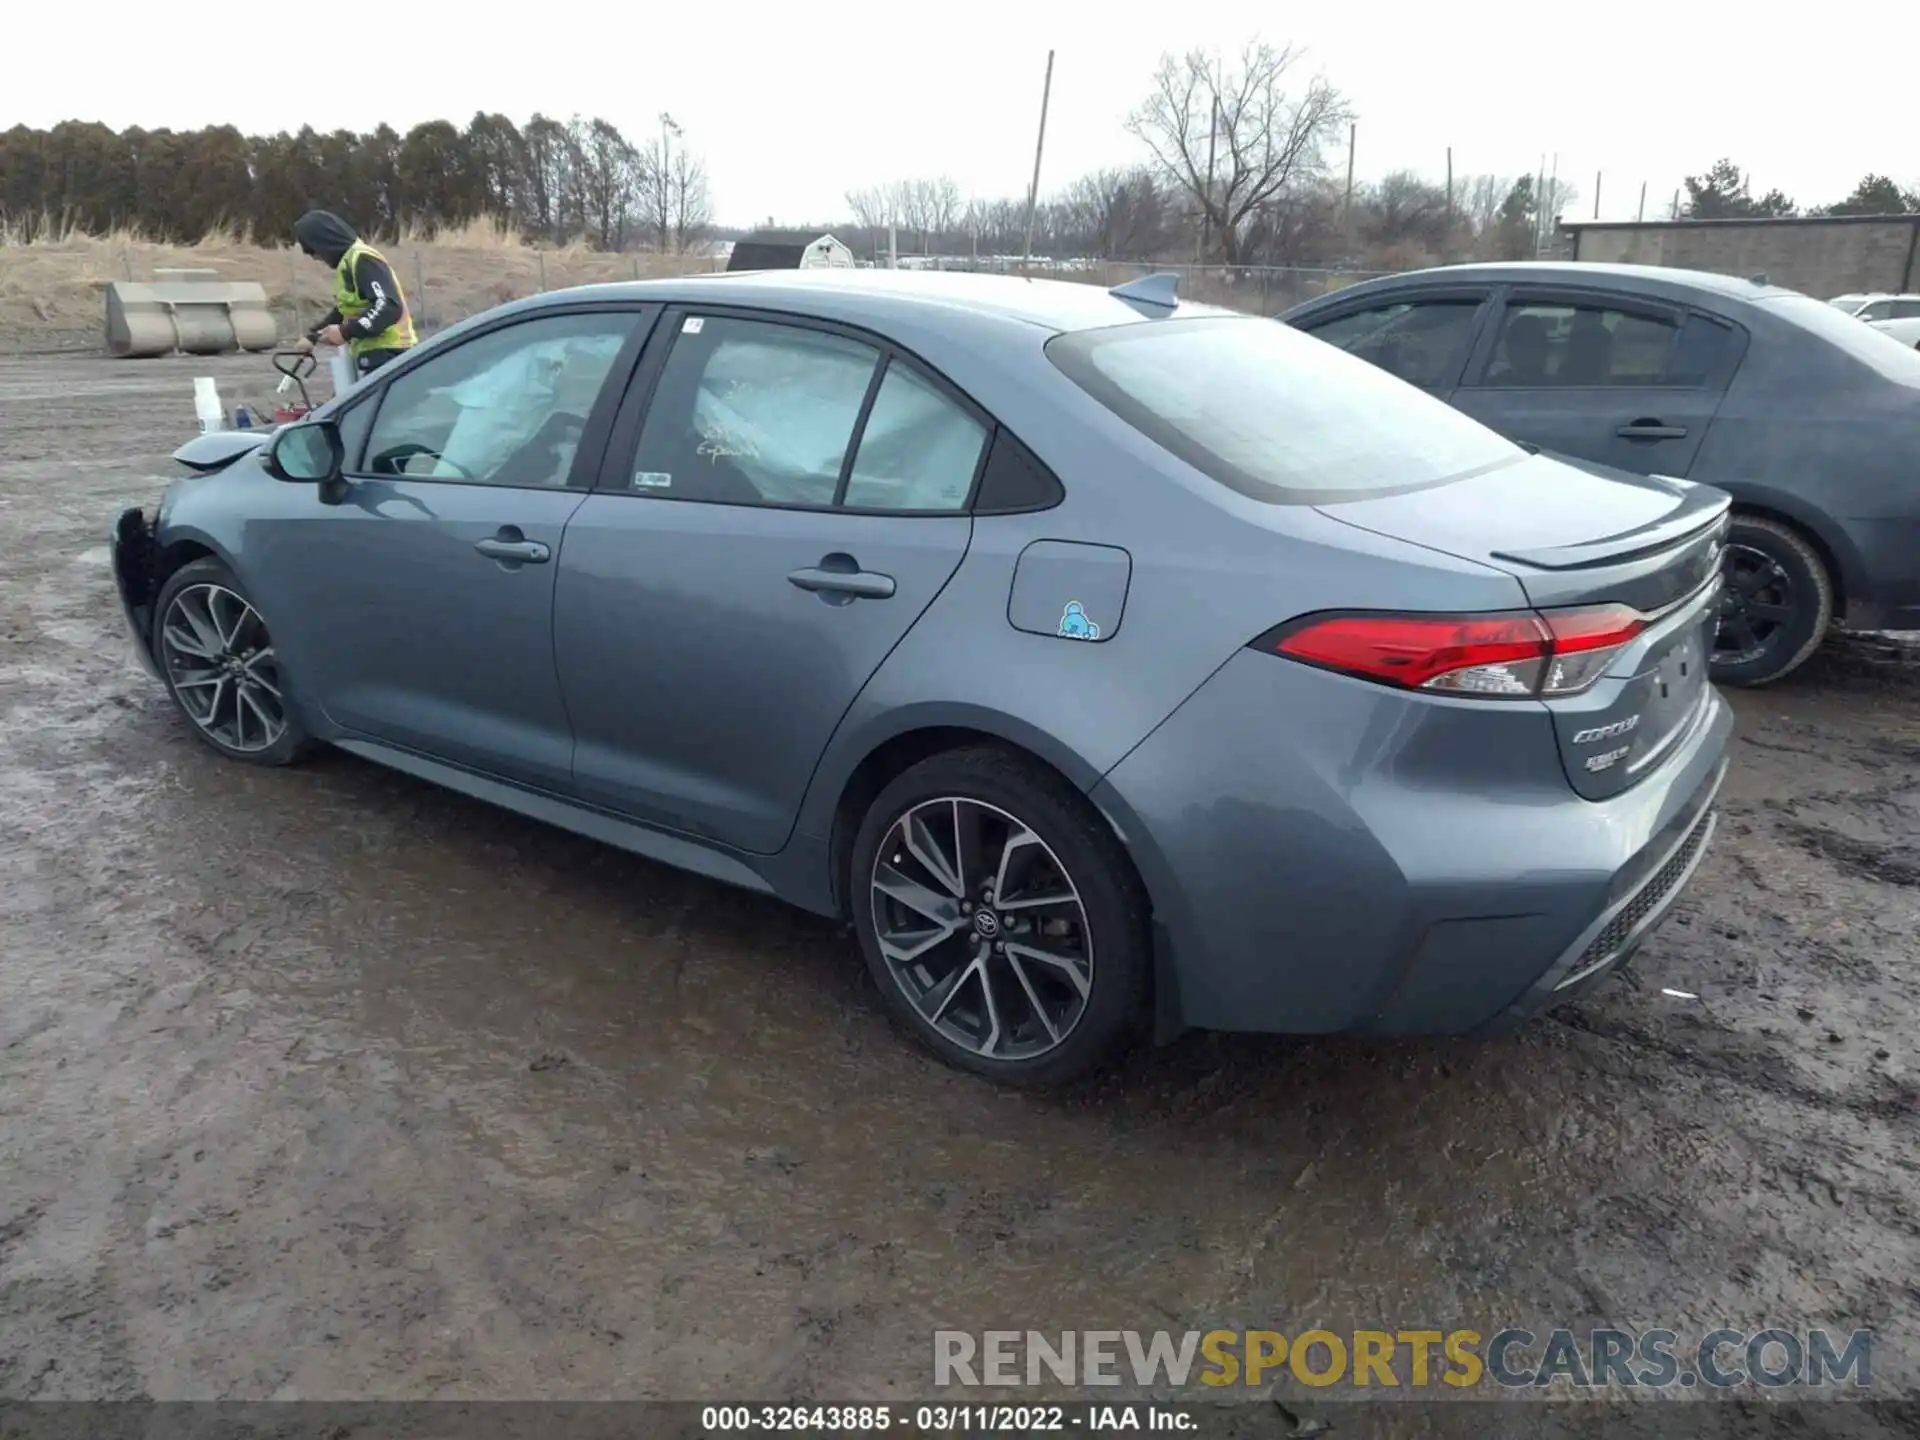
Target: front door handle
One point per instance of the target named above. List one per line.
(528, 552)
(829, 580)
(1651, 430)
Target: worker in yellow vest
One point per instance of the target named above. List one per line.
(369, 315)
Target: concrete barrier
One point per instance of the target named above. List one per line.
(198, 317)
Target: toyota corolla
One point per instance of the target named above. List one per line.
(1114, 665)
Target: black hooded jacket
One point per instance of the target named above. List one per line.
(326, 237)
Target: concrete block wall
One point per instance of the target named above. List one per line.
(1822, 257)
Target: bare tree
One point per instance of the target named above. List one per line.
(1237, 138)
(689, 197)
(872, 208)
(1479, 199)
(1114, 214)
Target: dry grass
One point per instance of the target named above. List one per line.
(52, 289)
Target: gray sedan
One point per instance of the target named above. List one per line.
(1809, 419)
(1112, 665)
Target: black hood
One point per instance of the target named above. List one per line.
(323, 234)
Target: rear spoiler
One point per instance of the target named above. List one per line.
(1701, 506)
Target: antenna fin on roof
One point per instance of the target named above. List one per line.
(1151, 295)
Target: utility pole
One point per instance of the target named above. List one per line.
(1346, 212)
(669, 127)
(1539, 204)
(1449, 190)
(1206, 203)
(1033, 190)
(1641, 213)
(1596, 194)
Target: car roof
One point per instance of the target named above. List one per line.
(1580, 272)
(875, 296)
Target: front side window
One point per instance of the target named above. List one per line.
(507, 408)
(1549, 346)
(1876, 310)
(1270, 412)
(1421, 342)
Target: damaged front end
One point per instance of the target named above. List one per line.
(135, 575)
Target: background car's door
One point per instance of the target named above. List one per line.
(1612, 379)
(1424, 338)
(423, 604)
(794, 500)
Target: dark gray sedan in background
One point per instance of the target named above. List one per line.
(1809, 419)
(1102, 660)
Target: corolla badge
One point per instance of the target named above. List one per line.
(1074, 624)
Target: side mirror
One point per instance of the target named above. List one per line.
(309, 453)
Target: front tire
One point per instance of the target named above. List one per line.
(1001, 919)
(1777, 606)
(221, 668)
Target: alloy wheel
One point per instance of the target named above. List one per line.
(1756, 604)
(982, 928)
(221, 663)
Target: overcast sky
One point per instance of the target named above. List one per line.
(795, 103)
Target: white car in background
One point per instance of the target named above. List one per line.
(1878, 306)
(1906, 331)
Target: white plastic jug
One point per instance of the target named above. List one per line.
(206, 405)
(340, 366)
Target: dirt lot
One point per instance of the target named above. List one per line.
(326, 1083)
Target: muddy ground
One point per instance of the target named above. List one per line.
(325, 1083)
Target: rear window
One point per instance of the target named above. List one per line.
(1861, 342)
(1272, 412)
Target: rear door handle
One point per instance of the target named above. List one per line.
(529, 552)
(1651, 430)
(856, 584)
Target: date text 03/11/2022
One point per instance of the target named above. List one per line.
(944, 1419)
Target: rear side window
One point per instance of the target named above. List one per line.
(1268, 411)
(1544, 345)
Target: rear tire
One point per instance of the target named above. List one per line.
(1035, 986)
(217, 656)
(1777, 606)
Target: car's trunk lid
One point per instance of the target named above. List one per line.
(1577, 535)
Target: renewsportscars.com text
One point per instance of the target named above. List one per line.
(1513, 1358)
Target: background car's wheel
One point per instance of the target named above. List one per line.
(221, 667)
(1777, 605)
(1002, 920)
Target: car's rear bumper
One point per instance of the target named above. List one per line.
(1886, 593)
(1326, 855)
(132, 549)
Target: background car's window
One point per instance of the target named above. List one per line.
(1904, 310)
(1268, 411)
(1552, 345)
(749, 413)
(1699, 352)
(919, 450)
(1875, 310)
(1423, 343)
(505, 409)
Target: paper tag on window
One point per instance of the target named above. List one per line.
(652, 480)
(691, 325)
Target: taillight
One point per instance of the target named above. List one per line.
(1519, 656)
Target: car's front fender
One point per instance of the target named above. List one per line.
(134, 557)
